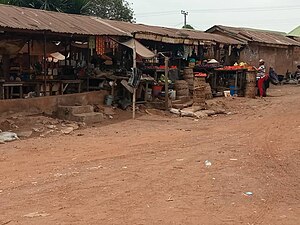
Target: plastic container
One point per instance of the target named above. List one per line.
(233, 90)
(157, 90)
(172, 94)
(149, 94)
(227, 94)
(109, 100)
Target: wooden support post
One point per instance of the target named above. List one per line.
(88, 68)
(134, 89)
(45, 66)
(167, 82)
(29, 59)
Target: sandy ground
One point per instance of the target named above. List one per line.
(152, 170)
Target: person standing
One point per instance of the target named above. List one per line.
(261, 77)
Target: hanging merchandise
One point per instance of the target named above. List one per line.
(187, 50)
(191, 51)
(135, 78)
(92, 44)
(230, 50)
(113, 45)
(196, 50)
(100, 45)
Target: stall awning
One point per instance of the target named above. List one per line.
(37, 48)
(140, 49)
(10, 47)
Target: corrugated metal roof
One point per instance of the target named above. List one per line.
(295, 32)
(213, 37)
(40, 20)
(172, 32)
(253, 35)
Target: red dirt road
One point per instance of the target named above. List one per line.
(152, 170)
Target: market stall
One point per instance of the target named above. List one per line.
(235, 79)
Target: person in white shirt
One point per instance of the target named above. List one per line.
(261, 77)
(261, 71)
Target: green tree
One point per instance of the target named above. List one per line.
(108, 9)
(188, 26)
(111, 9)
(77, 6)
(16, 2)
(52, 5)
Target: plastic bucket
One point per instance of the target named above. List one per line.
(109, 100)
(233, 90)
(227, 94)
(149, 94)
(172, 94)
(156, 90)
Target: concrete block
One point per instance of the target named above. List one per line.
(88, 118)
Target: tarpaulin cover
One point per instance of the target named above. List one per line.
(37, 48)
(140, 49)
(10, 47)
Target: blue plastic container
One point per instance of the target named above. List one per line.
(233, 90)
(109, 100)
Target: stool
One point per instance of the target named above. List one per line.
(8, 90)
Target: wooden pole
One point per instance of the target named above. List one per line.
(88, 67)
(45, 66)
(29, 60)
(167, 82)
(134, 88)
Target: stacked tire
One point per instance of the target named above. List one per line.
(182, 88)
(188, 76)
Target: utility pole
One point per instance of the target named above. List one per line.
(184, 15)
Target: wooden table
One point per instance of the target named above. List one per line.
(65, 83)
(239, 78)
(62, 84)
(8, 89)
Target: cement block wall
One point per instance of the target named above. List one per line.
(49, 104)
(296, 57)
(281, 59)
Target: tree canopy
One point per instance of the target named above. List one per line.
(188, 26)
(108, 9)
(111, 9)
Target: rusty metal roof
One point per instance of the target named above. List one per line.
(254, 35)
(173, 33)
(41, 20)
(20, 18)
(212, 37)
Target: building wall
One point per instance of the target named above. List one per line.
(296, 57)
(280, 58)
(49, 104)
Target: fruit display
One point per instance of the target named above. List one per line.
(236, 66)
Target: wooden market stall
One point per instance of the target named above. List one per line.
(53, 54)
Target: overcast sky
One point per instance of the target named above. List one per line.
(280, 15)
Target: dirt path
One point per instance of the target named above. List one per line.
(152, 170)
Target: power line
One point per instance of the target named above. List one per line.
(224, 10)
(178, 24)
